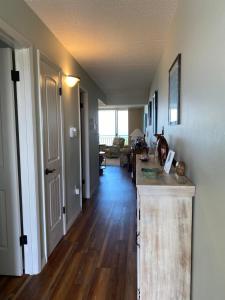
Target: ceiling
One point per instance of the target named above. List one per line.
(118, 42)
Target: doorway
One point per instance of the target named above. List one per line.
(84, 142)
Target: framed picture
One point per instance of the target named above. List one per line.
(145, 121)
(155, 112)
(174, 91)
(150, 113)
(169, 161)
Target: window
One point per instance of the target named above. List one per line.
(122, 124)
(112, 123)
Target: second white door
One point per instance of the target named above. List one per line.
(10, 222)
(51, 109)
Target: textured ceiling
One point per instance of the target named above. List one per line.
(118, 42)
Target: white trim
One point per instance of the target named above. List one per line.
(87, 146)
(63, 158)
(42, 57)
(28, 160)
(28, 153)
(41, 167)
(80, 141)
(13, 38)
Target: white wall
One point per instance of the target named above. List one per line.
(198, 32)
(19, 16)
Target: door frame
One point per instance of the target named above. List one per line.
(86, 143)
(43, 58)
(27, 144)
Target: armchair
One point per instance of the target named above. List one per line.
(114, 150)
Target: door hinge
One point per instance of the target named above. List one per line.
(138, 294)
(15, 75)
(23, 240)
(137, 239)
(60, 91)
(64, 209)
(81, 105)
(83, 181)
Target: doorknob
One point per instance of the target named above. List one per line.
(48, 171)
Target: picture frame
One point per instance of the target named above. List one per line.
(155, 112)
(150, 113)
(174, 91)
(169, 161)
(145, 122)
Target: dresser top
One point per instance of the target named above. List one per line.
(162, 180)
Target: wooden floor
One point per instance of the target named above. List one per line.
(97, 258)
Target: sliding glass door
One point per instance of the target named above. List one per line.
(122, 124)
(112, 123)
(107, 126)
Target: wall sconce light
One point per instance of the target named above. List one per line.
(71, 80)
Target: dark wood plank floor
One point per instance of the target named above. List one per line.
(97, 258)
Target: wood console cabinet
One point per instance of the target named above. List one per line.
(164, 235)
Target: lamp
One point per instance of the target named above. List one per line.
(71, 80)
(136, 134)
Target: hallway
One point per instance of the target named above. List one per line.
(97, 258)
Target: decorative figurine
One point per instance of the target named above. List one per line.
(140, 143)
(180, 168)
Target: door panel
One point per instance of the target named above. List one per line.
(55, 202)
(52, 119)
(10, 224)
(52, 154)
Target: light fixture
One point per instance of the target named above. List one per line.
(71, 80)
(136, 134)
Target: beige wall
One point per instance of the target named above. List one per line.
(135, 119)
(19, 16)
(198, 33)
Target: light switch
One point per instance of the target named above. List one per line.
(73, 132)
(77, 191)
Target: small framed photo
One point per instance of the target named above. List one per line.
(175, 91)
(169, 161)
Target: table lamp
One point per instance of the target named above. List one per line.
(137, 133)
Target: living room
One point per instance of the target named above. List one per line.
(118, 126)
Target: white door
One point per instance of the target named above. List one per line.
(82, 136)
(10, 226)
(51, 109)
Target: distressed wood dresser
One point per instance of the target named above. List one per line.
(164, 234)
